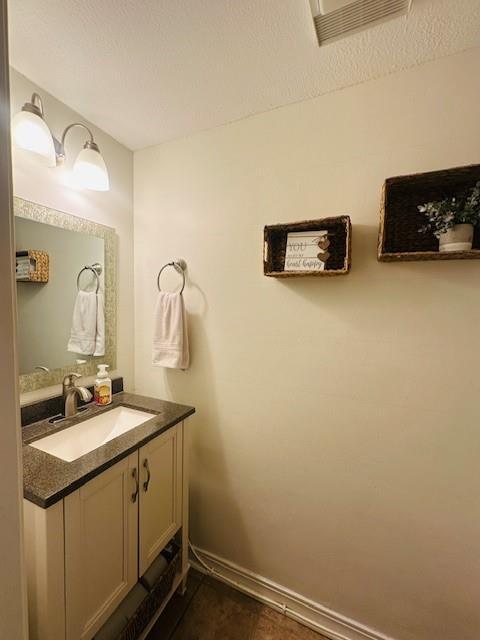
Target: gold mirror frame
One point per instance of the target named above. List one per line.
(39, 213)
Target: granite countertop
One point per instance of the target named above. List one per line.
(47, 479)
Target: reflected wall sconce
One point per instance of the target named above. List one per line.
(31, 132)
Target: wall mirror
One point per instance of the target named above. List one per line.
(66, 291)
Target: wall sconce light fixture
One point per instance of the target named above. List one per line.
(31, 132)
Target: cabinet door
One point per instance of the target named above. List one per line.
(160, 494)
(101, 542)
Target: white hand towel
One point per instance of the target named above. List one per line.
(87, 335)
(170, 337)
(100, 331)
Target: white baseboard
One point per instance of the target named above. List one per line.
(330, 623)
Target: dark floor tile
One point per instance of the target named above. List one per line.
(174, 611)
(198, 575)
(212, 610)
(218, 613)
(273, 625)
(241, 598)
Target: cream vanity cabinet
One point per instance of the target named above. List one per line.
(101, 542)
(160, 496)
(86, 552)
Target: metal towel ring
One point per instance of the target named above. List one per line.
(96, 269)
(179, 266)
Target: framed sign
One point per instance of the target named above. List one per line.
(313, 247)
(306, 250)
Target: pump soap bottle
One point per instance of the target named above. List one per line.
(103, 386)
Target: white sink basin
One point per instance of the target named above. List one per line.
(76, 441)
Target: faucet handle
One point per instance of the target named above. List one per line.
(69, 380)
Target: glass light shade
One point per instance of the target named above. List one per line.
(30, 132)
(90, 170)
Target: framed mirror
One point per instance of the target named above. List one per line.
(66, 293)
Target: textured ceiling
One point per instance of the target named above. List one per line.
(147, 71)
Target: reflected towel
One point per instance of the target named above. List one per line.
(170, 337)
(100, 333)
(87, 335)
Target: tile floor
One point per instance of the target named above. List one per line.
(210, 610)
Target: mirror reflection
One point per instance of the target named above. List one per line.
(66, 293)
(60, 322)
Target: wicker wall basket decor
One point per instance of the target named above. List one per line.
(400, 220)
(32, 266)
(339, 233)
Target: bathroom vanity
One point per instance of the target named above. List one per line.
(102, 499)
(105, 492)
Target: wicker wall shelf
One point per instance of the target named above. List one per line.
(32, 266)
(399, 238)
(339, 235)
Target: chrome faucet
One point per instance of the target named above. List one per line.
(71, 393)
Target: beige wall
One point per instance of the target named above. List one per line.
(13, 618)
(114, 208)
(336, 442)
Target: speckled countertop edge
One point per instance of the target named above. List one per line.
(47, 479)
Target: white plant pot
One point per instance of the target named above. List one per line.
(458, 238)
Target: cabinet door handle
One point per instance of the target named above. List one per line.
(147, 481)
(135, 477)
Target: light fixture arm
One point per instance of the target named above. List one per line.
(37, 98)
(76, 124)
(34, 106)
(60, 146)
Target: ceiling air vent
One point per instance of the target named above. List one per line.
(337, 18)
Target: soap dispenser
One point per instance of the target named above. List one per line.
(103, 386)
